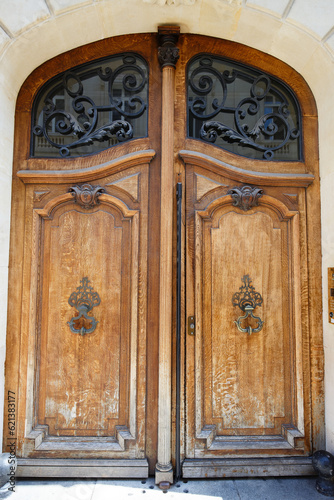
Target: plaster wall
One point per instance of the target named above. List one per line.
(299, 32)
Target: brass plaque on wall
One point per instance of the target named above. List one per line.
(331, 295)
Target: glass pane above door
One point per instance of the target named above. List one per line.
(91, 108)
(242, 110)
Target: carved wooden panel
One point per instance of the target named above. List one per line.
(88, 389)
(248, 395)
(245, 389)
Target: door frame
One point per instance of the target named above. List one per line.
(17, 346)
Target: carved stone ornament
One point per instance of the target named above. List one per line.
(171, 2)
(245, 197)
(87, 196)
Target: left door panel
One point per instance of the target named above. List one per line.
(85, 392)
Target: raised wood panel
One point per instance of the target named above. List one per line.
(245, 391)
(204, 185)
(82, 391)
(86, 394)
(247, 370)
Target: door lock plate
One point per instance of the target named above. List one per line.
(191, 325)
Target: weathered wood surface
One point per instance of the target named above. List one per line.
(288, 222)
(164, 472)
(251, 467)
(82, 468)
(247, 389)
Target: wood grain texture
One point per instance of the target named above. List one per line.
(86, 174)
(166, 263)
(82, 468)
(42, 225)
(248, 468)
(266, 179)
(91, 392)
(295, 185)
(49, 179)
(244, 385)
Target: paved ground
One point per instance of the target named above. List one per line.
(225, 489)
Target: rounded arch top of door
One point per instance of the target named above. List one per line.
(191, 47)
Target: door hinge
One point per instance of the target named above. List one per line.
(191, 325)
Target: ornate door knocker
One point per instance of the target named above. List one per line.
(247, 299)
(83, 299)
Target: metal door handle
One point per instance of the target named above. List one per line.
(83, 299)
(247, 299)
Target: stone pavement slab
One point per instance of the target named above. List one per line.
(120, 489)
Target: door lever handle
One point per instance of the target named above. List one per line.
(247, 299)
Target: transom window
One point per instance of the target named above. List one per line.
(242, 110)
(98, 105)
(91, 107)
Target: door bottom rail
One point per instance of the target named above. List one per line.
(250, 467)
(94, 468)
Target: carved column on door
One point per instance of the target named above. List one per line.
(168, 56)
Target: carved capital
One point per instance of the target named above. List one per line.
(245, 197)
(86, 195)
(168, 53)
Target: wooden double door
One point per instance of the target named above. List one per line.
(92, 337)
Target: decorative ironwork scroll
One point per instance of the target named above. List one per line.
(91, 107)
(87, 196)
(245, 197)
(83, 299)
(242, 110)
(247, 299)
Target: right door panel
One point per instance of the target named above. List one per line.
(245, 389)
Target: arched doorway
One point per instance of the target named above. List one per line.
(94, 263)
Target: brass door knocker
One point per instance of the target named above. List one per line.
(83, 299)
(247, 299)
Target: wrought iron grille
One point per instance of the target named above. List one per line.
(242, 110)
(91, 108)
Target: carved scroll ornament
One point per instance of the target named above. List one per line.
(245, 197)
(87, 196)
